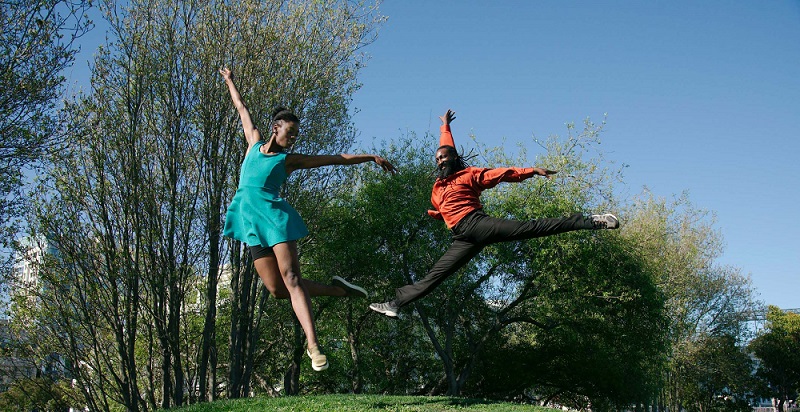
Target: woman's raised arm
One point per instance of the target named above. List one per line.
(250, 132)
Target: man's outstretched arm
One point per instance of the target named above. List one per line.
(445, 137)
(488, 178)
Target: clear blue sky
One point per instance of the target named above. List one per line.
(700, 96)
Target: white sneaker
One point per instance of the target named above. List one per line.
(605, 221)
(388, 308)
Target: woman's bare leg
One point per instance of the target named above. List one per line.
(277, 288)
(289, 266)
(282, 269)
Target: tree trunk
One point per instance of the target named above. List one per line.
(166, 377)
(356, 385)
(176, 302)
(291, 379)
(240, 322)
(209, 324)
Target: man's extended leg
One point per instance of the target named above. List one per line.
(456, 256)
(481, 228)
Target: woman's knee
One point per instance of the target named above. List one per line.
(291, 278)
(278, 292)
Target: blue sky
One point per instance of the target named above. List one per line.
(701, 97)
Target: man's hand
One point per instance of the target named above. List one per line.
(226, 73)
(544, 172)
(448, 117)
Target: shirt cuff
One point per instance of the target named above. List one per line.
(435, 214)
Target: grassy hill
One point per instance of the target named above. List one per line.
(352, 403)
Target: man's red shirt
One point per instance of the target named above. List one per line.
(458, 195)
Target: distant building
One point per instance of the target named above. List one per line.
(23, 290)
(25, 274)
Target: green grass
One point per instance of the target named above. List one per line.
(352, 403)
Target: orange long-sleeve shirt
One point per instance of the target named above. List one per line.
(457, 195)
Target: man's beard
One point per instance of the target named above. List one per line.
(446, 169)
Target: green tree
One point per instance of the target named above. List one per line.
(377, 233)
(714, 373)
(37, 44)
(777, 349)
(680, 245)
(523, 292)
(40, 394)
(142, 189)
(582, 315)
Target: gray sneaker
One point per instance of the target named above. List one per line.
(605, 221)
(388, 308)
(351, 289)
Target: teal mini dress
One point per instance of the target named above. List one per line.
(257, 215)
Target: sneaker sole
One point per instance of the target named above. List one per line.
(389, 313)
(348, 285)
(616, 222)
(317, 368)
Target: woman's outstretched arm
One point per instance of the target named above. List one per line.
(298, 161)
(251, 134)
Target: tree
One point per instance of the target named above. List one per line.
(379, 235)
(39, 394)
(580, 313)
(525, 292)
(680, 244)
(714, 373)
(141, 191)
(37, 44)
(777, 349)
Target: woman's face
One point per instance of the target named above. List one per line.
(285, 132)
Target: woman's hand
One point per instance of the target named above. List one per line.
(383, 163)
(226, 73)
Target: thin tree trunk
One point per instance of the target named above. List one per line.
(209, 324)
(291, 379)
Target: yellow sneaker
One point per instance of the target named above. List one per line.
(319, 362)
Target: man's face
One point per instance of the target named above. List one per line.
(445, 162)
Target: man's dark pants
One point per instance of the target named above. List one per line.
(476, 231)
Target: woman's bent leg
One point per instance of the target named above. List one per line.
(289, 267)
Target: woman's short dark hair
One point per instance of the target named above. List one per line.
(282, 113)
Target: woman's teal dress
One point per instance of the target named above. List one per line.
(257, 214)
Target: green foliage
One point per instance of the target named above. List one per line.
(714, 373)
(378, 235)
(42, 394)
(36, 45)
(777, 349)
(133, 205)
(679, 244)
(588, 333)
(570, 310)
